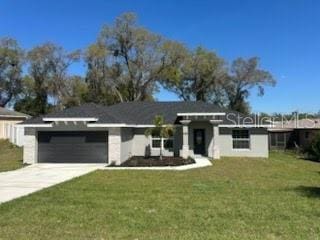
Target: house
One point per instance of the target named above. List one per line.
(8, 119)
(291, 133)
(111, 134)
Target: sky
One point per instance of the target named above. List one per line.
(284, 34)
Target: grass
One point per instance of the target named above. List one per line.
(10, 157)
(236, 198)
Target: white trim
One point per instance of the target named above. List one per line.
(13, 116)
(106, 125)
(161, 143)
(201, 114)
(241, 149)
(199, 163)
(213, 121)
(280, 129)
(245, 126)
(156, 138)
(241, 139)
(185, 122)
(103, 125)
(69, 119)
(143, 126)
(36, 125)
(119, 125)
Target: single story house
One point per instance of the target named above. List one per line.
(9, 118)
(112, 134)
(291, 133)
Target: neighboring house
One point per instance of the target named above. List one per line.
(93, 133)
(288, 134)
(8, 119)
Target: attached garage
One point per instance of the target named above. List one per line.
(73, 147)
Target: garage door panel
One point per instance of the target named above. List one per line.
(75, 147)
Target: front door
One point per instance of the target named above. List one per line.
(199, 141)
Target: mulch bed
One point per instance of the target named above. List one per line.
(140, 161)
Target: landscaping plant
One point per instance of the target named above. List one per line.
(314, 148)
(160, 130)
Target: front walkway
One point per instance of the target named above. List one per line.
(21, 182)
(199, 163)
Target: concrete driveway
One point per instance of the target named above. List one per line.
(21, 182)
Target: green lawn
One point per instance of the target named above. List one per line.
(237, 198)
(10, 157)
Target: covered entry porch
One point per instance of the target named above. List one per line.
(200, 134)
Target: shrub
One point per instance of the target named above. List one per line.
(314, 149)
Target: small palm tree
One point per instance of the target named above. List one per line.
(160, 130)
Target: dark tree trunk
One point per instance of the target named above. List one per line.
(200, 96)
(41, 97)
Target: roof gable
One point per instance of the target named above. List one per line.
(4, 112)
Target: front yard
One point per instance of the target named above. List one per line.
(10, 157)
(236, 198)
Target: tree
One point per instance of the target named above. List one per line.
(128, 60)
(76, 92)
(26, 103)
(99, 90)
(11, 59)
(61, 60)
(201, 73)
(245, 75)
(48, 65)
(313, 150)
(160, 130)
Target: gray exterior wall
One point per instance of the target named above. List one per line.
(258, 144)
(141, 145)
(114, 142)
(30, 146)
(126, 143)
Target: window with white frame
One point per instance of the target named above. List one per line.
(155, 142)
(165, 143)
(240, 139)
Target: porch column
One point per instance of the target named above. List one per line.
(114, 148)
(185, 138)
(215, 149)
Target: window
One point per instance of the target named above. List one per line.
(240, 139)
(281, 140)
(167, 143)
(273, 137)
(156, 142)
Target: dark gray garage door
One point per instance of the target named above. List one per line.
(72, 147)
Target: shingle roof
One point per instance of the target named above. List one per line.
(144, 112)
(298, 124)
(137, 112)
(84, 111)
(10, 113)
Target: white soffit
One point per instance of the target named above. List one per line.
(202, 114)
(70, 119)
(36, 125)
(119, 125)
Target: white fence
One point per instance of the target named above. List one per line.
(14, 133)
